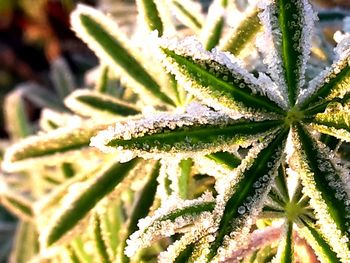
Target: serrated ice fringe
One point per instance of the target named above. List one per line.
(152, 227)
(113, 29)
(190, 46)
(269, 44)
(332, 234)
(196, 114)
(324, 77)
(171, 168)
(226, 187)
(309, 17)
(197, 233)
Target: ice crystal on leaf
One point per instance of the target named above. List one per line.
(220, 150)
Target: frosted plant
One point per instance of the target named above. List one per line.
(210, 162)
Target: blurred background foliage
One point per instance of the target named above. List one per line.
(33, 34)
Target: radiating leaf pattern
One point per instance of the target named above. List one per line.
(177, 150)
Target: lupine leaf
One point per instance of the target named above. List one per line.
(103, 36)
(285, 247)
(241, 35)
(180, 133)
(62, 78)
(318, 243)
(221, 85)
(324, 184)
(150, 16)
(92, 104)
(78, 207)
(214, 24)
(334, 121)
(245, 195)
(189, 13)
(50, 144)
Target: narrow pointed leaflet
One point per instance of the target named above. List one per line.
(215, 79)
(184, 133)
(324, 183)
(103, 36)
(243, 198)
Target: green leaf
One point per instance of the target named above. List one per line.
(16, 119)
(46, 146)
(285, 247)
(245, 194)
(142, 206)
(108, 42)
(318, 242)
(102, 83)
(184, 177)
(100, 239)
(62, 78)
(324, 183)
(174, 216)
(331, 84)
(181, 133)
(150, 16)
(214, 24)
(243, 34)
(228, 160)
(189, 13)
(221, 86)
(79, 206)
(92, 104)
(294, 22)
(334, 121)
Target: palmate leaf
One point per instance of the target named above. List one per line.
(204, 131)
(290, 24)
(324, 183)
(77, 207)
(244, 195)
(17, 204)
(334, 121)
(92, 104)
(109, 43)
(216, 80)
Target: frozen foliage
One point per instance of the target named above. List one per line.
(206, 159)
